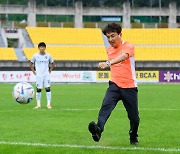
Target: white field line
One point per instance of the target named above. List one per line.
(91, 147)
(44, 109)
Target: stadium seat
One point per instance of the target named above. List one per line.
(68, 43)
(71, 52)
(7, 54)
(161, 44)
(157, 53)
(73, 36)
(160, 36)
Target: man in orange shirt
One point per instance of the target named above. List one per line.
(122, 86)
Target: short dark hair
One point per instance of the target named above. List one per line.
(112, 27)
(41, 44)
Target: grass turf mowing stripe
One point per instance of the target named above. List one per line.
(91, 147)
(143, 109)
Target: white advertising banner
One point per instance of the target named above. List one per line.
(56, 76)
(16, 76)
(75, 76)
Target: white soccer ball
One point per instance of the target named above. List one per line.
(23, 92)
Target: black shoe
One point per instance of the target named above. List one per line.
(133, 139)
(95, 131)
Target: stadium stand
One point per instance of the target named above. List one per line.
(66, 36)
(87, 44)
(157, 53)
(154, 44)
(71, 52)
(160, 36)
(68, 43)
(81, 48)
(7, 54)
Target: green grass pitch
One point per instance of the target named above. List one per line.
(63, 129)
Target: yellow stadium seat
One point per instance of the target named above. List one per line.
(71, 52)
(160, 44)
(7, 54)
(157, 54)
(152, 36)
(58, 36)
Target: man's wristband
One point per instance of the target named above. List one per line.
(108, 63)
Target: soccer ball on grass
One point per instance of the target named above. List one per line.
(23, 92)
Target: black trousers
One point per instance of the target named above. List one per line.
(130, 102)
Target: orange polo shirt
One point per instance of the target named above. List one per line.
(123, 73)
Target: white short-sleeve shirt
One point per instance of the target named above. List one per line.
(41, 63)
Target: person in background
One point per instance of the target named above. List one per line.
(44, 64)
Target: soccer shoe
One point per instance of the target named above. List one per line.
(133, 139)
(95, 131)
(37, 107)
(49, 107)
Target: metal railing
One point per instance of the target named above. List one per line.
(18, 24)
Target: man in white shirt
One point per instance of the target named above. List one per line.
(44, 64)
